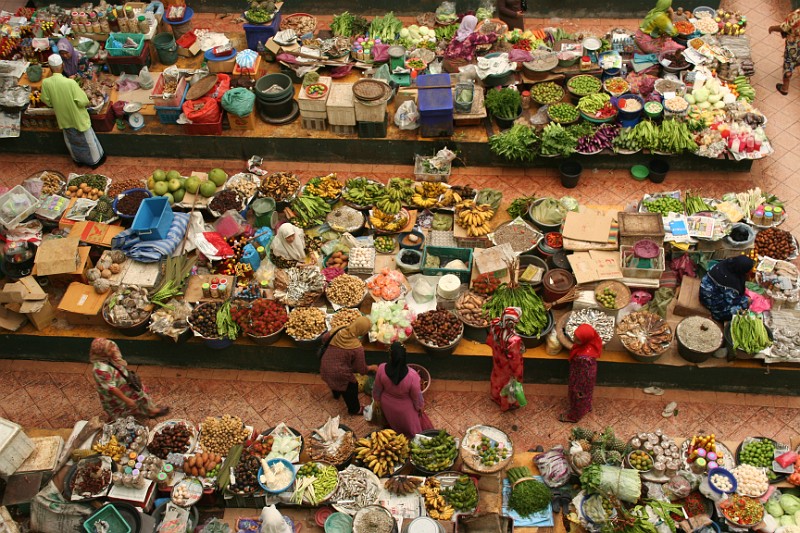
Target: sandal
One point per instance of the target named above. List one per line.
(780, 89)
(161, 412)
(565, 418)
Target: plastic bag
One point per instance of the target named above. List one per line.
(683, 266)
(515, 393)
(204, 110)
(380, 53)
(220, 88)
(485, 11)
(407, 116)
(230, 224)
(679, 487)
(446, 13)
(661, 301)
(145, 79)
(127, 82)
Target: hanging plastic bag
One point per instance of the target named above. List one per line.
(515, 393)
(407, 116)
(485, 11)
(145, 79)
(446, 13)
(660, 302)
(220, 88)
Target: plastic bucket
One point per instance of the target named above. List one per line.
(277, 109)
(167, 48)
(265, 82)
(630, 115)
(505, 123)
(570, 174)
(263, 209)
(658, 170)
(557, 283)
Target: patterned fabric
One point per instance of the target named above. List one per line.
(466, 49)
(654, 45)
(582, 377)
(107, 378)
(723, 302)
(83, 146)
(791, 26)
(338, 367)
(503, 329)
(791, 57)
(152, 251)
(507, 363)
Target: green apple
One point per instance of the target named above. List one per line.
(192, 184)
(174, 185)
(218, 176)
(169, 198)
(207, 189)
(173, 175)
(160, 188)
(159, 175)
(151, 182)
(178, 195)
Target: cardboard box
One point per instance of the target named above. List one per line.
(226, 66)
(57, 256)
(688, 303)
(242, 123)
(95, 233)
(43, 318)
(79, 274)
(82, 305)
(10, 320)
(25, 300)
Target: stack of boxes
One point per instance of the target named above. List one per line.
(341, 108)
(313, 111)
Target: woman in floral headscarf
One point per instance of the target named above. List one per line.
(120, 398)
(790, 31)
(467, 39)
(507, 350)
(582, 372)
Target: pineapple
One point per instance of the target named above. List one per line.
(598, 456)
(579, 433)
(585, 445)
(614, 458)
(608, 437)
(618, 445)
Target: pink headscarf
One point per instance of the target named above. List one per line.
(467, 28)
(105, 350)
(504, 328)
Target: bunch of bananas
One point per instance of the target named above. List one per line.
(387, 222)
(362, 191)
(327, 187)
(450, 198)
(436, 505)
(402, 484)
(382, 451)
(398, 191)
(744, 88)
(426, 194)
(36, 98)
(474, 217)
(111, 449)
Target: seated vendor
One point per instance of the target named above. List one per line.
(75, 63)
(656, 30)
(722, 288)
(467, 39)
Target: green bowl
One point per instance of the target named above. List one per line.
(640, 172)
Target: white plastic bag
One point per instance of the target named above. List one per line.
(145, 79)
(407, 116)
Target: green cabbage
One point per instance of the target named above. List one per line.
(790, 504)
(787, 520)
(774, 508)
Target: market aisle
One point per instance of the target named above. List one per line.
(55, 395)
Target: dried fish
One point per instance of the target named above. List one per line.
(358, 487)
(600, 321)
(644, 333)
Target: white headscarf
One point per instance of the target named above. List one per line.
(294, 250)
(467, 28)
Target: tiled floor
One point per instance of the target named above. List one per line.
(40, 394)
(54, 395)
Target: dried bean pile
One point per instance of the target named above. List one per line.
(129, 204)
(437, 328)
(225, 200)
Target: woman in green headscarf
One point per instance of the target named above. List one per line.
(655, 31)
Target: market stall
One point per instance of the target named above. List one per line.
(569, 94)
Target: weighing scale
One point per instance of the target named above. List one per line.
(402, 79)
(590, 46)
(397, 57)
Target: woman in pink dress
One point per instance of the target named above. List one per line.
(582, 372)
(397, 389)
(507, 350)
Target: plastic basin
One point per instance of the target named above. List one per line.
(640, 172)
(265, 82)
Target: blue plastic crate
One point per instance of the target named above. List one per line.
(256, 33)
(169, 115)
(435, 105)
(109, 514)
(153, 219)
(115, 39)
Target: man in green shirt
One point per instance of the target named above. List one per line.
(69, 102)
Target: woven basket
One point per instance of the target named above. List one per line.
(473, 462)
(369, 90)
(622, 290)
(451, 66)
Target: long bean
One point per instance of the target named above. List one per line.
(534, 316)
(749, 334)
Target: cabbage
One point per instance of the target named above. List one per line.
(689, 98)
(719, 105)
(413, 28)
(700, 95)
(704, 105)
(774, 508)
(423, 30)
(790, 504)
(787, 520)
(404, 33)
(714, 98)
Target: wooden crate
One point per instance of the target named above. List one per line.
(315, 105)
(633, 227)
(343, 130)
(477, 113)
(340, 105)
(316, 124)
(646, 273)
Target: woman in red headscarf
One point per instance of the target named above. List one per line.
(507, 350)
(582, 372)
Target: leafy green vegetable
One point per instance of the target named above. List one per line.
(624, 483)
(503, 103)
(529, 496)
(534, 316)
(519, 206)
(348, 25)
(519, 143)
(446, 33)
(557, 141)
(385, 28)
